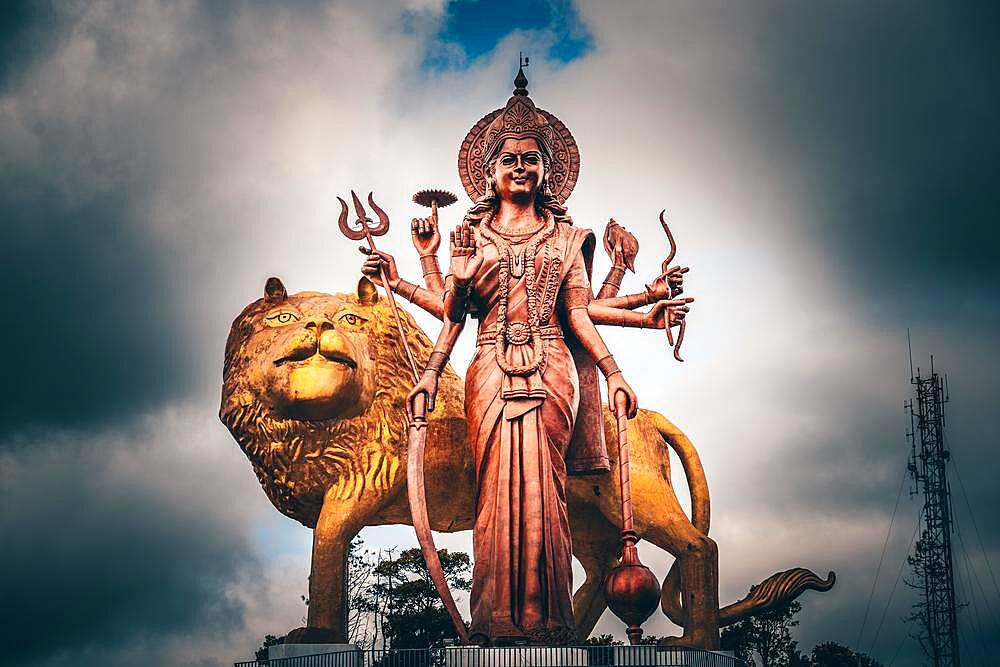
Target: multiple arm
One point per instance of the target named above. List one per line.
(428, 383)
(576, 297)
(426, 240)
(465, 262)
(448, 300)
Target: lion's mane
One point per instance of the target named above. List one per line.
(297, 461)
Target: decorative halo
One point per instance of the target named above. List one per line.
(563, 171)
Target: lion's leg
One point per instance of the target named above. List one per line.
(665, 524)
(596, 546)
(339, 522)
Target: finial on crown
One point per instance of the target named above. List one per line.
(521, 81)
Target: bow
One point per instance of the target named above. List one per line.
(416, 494)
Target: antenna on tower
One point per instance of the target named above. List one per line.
(909, 351)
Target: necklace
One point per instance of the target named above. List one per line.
(508, 230)
(519, 333)
(516, 237)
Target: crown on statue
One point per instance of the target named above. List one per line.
(519, 119)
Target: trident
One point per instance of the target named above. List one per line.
(365, 228)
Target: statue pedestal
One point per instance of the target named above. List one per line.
(279, 651)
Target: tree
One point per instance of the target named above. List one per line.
(832, 654)
(261, 653)
(603, 640)
(766, 636)
(401, 597)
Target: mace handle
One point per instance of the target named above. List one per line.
(621, 405)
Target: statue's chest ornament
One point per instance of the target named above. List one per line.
(516, 262)
(519, 262)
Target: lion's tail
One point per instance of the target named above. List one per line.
(694, 472)
(777, 590)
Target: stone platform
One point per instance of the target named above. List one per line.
(279, 651)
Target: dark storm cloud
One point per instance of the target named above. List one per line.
(109, 543)
(26, 33)
(89, 329)
(88, 332)
(891, 110)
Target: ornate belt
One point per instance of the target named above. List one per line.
(517, 333)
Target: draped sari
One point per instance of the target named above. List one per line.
(520, 427)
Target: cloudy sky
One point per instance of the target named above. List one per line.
(830, 170)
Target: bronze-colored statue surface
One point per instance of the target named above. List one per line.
(318, 391)
(341, 470)
(524, 270)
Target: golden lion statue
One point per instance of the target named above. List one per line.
(314, 389)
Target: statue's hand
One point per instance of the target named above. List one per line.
(616, 383)
(465, 257)
(426, 237)
(667, 313)
(618, 256)
(669, 284)
(427, 387)
(621, 246)
(376, 261)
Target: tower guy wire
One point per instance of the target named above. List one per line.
(881, 560)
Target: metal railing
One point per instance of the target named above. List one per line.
(511, 656)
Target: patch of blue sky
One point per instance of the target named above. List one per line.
(470, 29)
(280, 536)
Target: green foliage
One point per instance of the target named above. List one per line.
(402, 595)
(269, 640)
(603, 640)
(767, 639)
(766, 636)
(832, 654)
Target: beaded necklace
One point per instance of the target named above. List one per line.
(519, 333)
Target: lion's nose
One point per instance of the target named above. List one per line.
(319, 324)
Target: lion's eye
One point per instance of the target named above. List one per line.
(352, 319)
(281, 318)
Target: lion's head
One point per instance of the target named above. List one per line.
(313, 390)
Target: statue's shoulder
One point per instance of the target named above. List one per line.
(574, 238)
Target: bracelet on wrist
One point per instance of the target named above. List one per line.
(608, 366)
(436, 362)
(405, 289)
(429, 265)
(615, 276)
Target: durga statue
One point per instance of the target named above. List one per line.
(522, 269)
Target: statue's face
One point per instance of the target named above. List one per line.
(519, 169)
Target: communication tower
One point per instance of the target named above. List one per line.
(935, 614)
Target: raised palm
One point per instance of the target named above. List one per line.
(465, 258)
